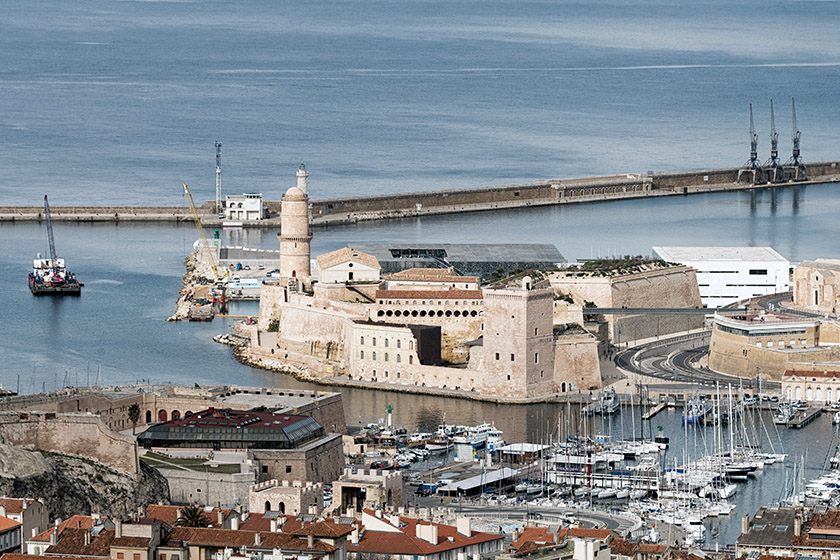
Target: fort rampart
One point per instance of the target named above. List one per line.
(78, 435)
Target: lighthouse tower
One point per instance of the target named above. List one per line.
(294, 231)
(303, 179)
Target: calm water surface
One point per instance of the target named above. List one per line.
(110, 102)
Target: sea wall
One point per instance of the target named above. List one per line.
(400, 205)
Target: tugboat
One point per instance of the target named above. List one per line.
(50, 276)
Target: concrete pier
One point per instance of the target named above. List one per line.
(339, 211)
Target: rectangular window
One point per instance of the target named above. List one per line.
(136, 556)
(536, 358)
(288, 468)
(512, 357)
(265, 469)
(758, 272)
(120, 555)
(386, 356)
(497, 355)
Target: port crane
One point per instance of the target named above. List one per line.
(773, 163)
(753, 166)
(57, 277)
(795, 165)
(220, 278)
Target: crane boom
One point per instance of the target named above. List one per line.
(210, 258)
(47, 216)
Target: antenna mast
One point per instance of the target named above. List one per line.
(218, 177)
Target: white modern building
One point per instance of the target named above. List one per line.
(729, 274)
(246, 206)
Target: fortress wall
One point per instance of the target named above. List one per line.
(576, 363)
(667, 287)
(78, 435)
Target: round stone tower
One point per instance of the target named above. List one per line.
(303, 179)
(294, 234)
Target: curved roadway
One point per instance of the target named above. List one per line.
(673, 359)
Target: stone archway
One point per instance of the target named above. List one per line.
(176, 414)
(162, 417)
(267, 506)
(148, 417)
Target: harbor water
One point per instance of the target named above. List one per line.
(116, 103)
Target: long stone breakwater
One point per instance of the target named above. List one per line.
(336, 211)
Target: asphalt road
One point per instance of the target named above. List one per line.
(672, 359)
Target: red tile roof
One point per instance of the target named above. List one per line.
(581, 533)
(169, 514)
(14, 505)
(6, 523)
(16, 556)
(622, 547)
(539, 536)
(131, 542)
(228, 538)
(71, 542)
(76, 521)
(292, 525)
(405, 541)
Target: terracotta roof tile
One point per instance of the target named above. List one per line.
(581, 533)
(14, 505)
(405, 542)
(321, 529)
(222, 538)
(6, 523)
(75, 521)
(16, 556)
(131, 542)
(540, 536)
(71, 542)
(623, 547)
(169, 514)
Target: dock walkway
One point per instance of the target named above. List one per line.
(807, 416)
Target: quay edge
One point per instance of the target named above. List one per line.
(338, 211)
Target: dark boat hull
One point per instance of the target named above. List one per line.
(41, 289)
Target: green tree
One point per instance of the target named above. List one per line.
(134, 416)
(192, 516)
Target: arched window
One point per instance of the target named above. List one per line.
(162, 417)
(362, 355)
(398, 343)
(386, 356)
(386, 343)
(411, 359)
(267, 505)
(148, 417)
(363, 341)
(374, 356)
(282, 508)
(374, 341)
(399, 358)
